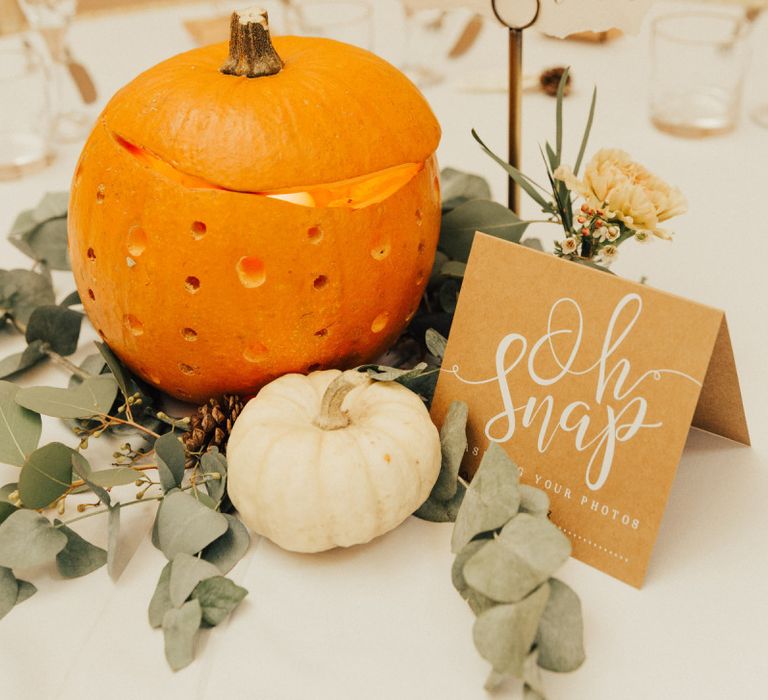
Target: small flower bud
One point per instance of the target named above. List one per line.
(585, 208)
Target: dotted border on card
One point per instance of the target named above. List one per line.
(618, 556)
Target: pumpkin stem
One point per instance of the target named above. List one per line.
(331, 416)
(251, 53)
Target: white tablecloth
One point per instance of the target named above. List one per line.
(383, 621)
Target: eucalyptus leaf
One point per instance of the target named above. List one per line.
(79, 557)
(526, 553)
(448, 295)
(213, 462)
(119, 372)
(72, 299)
(184, 525)
(22, 291)
(6, 509)
(453, 445)
(457, 187)
(27, 539)
(113, 541)
(179, 630)
(534, 688)
(92, 397)
(26, 591)
(45, 242)
(82, 468)
(6, 490)
(57, 326)
(170, 461)
(458, 228)
(186, 572)
(560, 639)
(391, 374)
(109, 478)
(436, 511)
(476, 601)
(9, 591)
(218, 597)
(161, 598)
(22, 361)
(225, 551)
(46, 475)
(454, 268)
(533, 501)
(441, 259)
(203, 497)
(20, 428)
(492, 498)
(533, 243)
(504, 634)
(435, 343)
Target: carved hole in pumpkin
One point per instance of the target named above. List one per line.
(251, 272)
(315, 234)
(91, 254)
(91, 295)
(192, 284)
(134, 326)
(321, 333)
(255, 352)
(100, 194)
(320, 282)
(199, 229)
(421, 246)
(419, 217)
(382, 251)
(380, 322)
(137, 241)
(313, 367)
(189, 334)
(188, 369)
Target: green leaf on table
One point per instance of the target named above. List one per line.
(560, 639)
(458, 228)
(184, 525)
(28, 539)
(476, 601)
(504, 634)
(113, 541)
(7, 490)
(491, 500)
(453, 268)
(534, 687)
(93, 364)
(435, 511)
(533, 243)
(435, 343)
(46, 475)
(448, 295)
(587, 131)
(20, 428)
(524, 182)
(82, 468)
(57, 326)
(213, 462)
(533, 501)
(9, 591)
(79, 557)
(161, 598)
(22, 291)
(44, 241)
(72, 299)
(391, 374)
(109, 478)
(26, 591)
(180, 629)
(52, 205)
(436, 275)
(170, 460)
(121, 375)
(186, 572)
(526, 553)
(218, 597)
(225, 551)
(22, 361)
(457, 187)
(453, 445)
(92, 397)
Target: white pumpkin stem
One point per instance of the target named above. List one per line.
(332, 417)
(251, 53)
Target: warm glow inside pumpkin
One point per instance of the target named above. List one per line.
(225, 229)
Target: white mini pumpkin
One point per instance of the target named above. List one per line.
(330, 459)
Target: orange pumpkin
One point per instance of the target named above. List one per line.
(225, 230)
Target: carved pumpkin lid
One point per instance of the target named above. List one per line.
(333, 112)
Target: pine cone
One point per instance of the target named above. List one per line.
(210, 426)
(550, 81)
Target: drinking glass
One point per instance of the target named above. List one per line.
(25, 112)
(698, 66)
(350, 21)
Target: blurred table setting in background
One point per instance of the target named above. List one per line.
(688, 93)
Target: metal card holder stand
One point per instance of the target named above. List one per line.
(515, 90)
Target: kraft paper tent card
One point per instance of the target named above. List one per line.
(590, 382)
